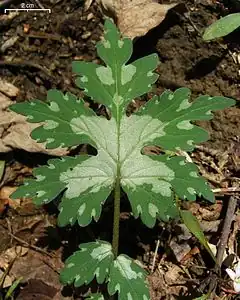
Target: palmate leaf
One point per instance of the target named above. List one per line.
(149, 181)
(89, 182)
(95, 259)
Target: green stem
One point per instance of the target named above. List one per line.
(116, 215)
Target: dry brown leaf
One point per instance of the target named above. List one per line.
(137, 17)
(9, 89)
(5, 198)
(87, 4)
(134, 17)
(37, 266)
(10, 255)
(6, 191)
(15, 130)
(7, 281)
(180, 250)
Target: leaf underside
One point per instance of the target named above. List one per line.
(165, 121)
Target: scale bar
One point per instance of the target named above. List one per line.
(27, 9)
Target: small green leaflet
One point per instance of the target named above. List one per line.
(121, 274)
(149, 181)
(12, 288)
(94, 259)
(194, 227)
(222, 27)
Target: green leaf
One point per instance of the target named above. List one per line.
(81, 175)
(93, 260)
(128, 279)
(175, 113)
(222, 27)
(96, 260)
(194, 227)
(151, 195)
(95, 296)
(204, 297)
(58, 115)
(116, 84)
(2, 167)
(149, 181)
(13, 287)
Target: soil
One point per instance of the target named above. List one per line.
(40, 59)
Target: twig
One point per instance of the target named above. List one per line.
(226, 190)
(232, 203)
(27, 244)
(212, 152)
(155, 256)
(30, 246)
(19, 63)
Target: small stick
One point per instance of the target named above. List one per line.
(155, 256)
(19, 63)
(226, 190)
(27, 244)
(232, 203)
(30, 246)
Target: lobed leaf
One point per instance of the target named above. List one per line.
(93, 260)
(222, 27)
(116, 84)
(165, 121)
(82, 175)
(96, 259)
(82, 209)
(150, 189)
(57, 115)
(128, 279)
(175, 113)
(45, 186)
(86, 181)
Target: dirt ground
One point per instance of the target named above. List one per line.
(40, 59)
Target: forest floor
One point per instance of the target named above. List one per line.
(39, 58)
